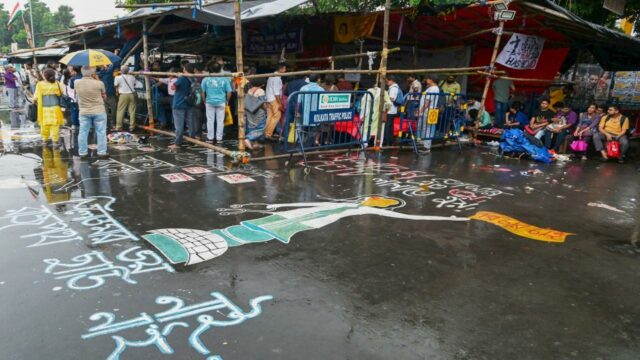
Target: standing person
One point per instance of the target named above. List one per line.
(216, 91)
(415, 86)
(32, 78)
(182, 110)
(274, 98)
(451, 86)
(613, 127)
(91, 96)
(11, 86)
(395, 94)
(428, 102)
(47, 97)
(125, 85)
(329, 83)
(343, 84)
(502, 89)
(71, 92)
(111, 103)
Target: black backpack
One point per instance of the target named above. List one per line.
(195, 93)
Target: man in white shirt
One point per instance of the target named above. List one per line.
(428, 102)
(125, 85)
(394, 94)
(274, 99)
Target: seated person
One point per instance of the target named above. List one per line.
(561, 125)
(515, 118)
(587, 126)
(540, 119)
(483, 121)
(613, 127)
(472, 104)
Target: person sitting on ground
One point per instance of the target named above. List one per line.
(561, 126)
(516, 118)
(47, 97)
(472, 103)
(540, 119)
(587, 126)
(612, 127)
(482, 120)
(344, 85)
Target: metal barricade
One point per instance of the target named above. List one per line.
(429, 117)
(318, 120)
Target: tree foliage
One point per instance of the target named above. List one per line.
(44, 21)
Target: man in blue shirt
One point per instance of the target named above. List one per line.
(182, 110)
(111, 103)
(216, 91)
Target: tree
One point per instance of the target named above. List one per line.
(64, 17)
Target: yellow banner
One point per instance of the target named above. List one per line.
(349, 28)
(432, 116)
(519, 228)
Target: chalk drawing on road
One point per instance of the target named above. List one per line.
(159, 326)
(91, 270)
(279, 225)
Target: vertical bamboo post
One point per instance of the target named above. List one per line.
(147, 82)
(496, 47)
(31, 44)
(383, 71)
(240, 70)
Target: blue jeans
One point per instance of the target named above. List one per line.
(99, 122)
(501, 109)
(180, 116)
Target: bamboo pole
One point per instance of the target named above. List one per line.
(54, 46)
(32, 45)
(513, 78)
(172, 4)
(240, 69)
(494, 55)
(324, 72)
(139, 42)
(147, 82)
(327, 58)
(383, 73)
(221, 150)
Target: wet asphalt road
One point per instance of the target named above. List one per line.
(362, 287)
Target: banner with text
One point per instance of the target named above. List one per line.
(521, 52)
(291, 41)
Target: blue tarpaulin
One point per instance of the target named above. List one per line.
(514, 141)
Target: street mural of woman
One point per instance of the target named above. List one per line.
(190, 246)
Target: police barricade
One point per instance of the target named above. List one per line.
(428, 117)
(318, 120)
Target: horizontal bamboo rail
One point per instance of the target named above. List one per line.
(325, 58)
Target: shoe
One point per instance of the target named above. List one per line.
(174, 146)
(103, 156)
(84, 157)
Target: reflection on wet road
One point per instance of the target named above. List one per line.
(446, 256)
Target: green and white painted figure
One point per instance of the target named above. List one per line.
(194, 246)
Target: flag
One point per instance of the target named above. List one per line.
(15, 10)
(349, 28)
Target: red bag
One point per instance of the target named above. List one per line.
(530, 131)
(613, 149)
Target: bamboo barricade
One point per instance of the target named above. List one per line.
(496, 75)
(238, 156)
(383, 74)
(331, 59)
(53, 46)
(147, 82)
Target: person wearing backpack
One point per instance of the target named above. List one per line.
(613, 127)
(397, 98)
(217, 92)
(183, 103)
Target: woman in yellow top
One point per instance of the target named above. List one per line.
(47, 97)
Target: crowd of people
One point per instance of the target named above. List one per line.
(199, 102)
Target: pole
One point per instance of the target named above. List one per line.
(33, 36)
(147, 83)
(383, 72)
(496, 47)
(31, 44)
(240, 70)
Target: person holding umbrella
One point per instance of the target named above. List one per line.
(91, 97)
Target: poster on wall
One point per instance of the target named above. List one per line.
(521, 52)
(259, 44)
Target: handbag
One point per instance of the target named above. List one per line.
(64, 100)
(579, 145)
(613, 149)
(529, 130)
(228, 118)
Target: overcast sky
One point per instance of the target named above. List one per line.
(88, 10)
